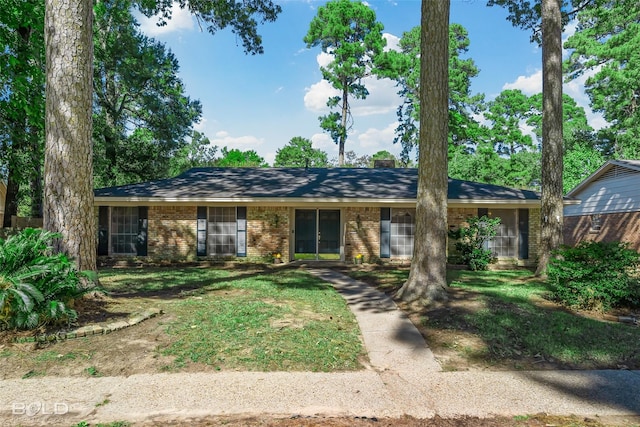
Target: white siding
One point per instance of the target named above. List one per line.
(618, 190)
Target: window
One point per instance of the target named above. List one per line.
(222, 231)
(402, 232)
(596, 223)
(504, 244)
(124, 230)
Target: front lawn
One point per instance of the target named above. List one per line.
(239, 317)
(502, 320)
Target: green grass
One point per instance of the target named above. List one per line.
(516, 322)
(248, 319)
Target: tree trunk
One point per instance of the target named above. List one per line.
(10, 201)
(68, 188)
(343, 135)
(428, 276)
(551, 215)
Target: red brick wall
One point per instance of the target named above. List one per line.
(622, 227)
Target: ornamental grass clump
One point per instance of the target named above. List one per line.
(37, 286)
(596, 275)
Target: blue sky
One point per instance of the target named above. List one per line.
(260, 102)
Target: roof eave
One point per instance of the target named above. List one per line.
(294, 201)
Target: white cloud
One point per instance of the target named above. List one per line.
(393, 42)
(270, 157)
(247, 142)
(181, 20)
(530, 85)
(383, 98)
(316, 96)
(374, 140)
(323, 141)
(324, 59)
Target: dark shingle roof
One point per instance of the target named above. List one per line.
(312, 183)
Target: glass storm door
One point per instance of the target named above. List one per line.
(317, 234)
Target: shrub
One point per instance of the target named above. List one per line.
(470, 241)
(37, 286)
(595, 275)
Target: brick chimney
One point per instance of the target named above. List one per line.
(384, 164)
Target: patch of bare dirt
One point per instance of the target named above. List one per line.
(540, 420)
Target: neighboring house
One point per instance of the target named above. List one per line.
(324, 213)
(610, 206)
(3, 195)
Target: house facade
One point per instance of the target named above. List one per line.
(298, 213)
(610, 206)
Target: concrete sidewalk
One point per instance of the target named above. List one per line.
(403, 378)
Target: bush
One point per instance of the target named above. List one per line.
(37, 286)
(595, 275)
(471, 241)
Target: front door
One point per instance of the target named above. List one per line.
(317, 234)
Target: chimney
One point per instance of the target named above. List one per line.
(378, 164)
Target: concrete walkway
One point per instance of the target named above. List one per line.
(403, 378)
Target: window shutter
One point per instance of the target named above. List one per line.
(523, 233)
(201, 233)
(241, 222)
(385, 232)
(141, 243)
(103, 230)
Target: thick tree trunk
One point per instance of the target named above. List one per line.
(552, 209)
(68, 188)
(428, 276)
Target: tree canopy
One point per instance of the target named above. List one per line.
(349, 32)
(606, 45)
(403, 66)
(299, 153)
(236, 158)
(141, 113)
(242, 16)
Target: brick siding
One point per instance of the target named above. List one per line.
(362, 227)
(172, 232)
(615, 227)
(268, 231)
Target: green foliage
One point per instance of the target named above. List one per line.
(197, 153)
(37, 286)
(470, 241)
(579, 162)
(510, 108)
(596, 275)
(141, 115)
(299, 153)
(607, 44)
(241, 16)
(349, 32)
(236, 158)
(22, 105)
(404, 67)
